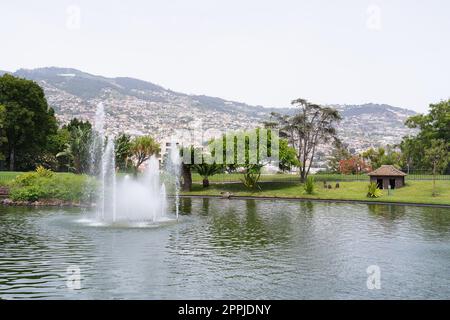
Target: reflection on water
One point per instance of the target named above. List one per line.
(231, 249)
(186, 206)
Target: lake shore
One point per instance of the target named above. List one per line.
(234, 197)
(43, 203)
(414, 193)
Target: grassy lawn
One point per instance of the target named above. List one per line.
(72, 187)
(413, 192)
(286, 177)
(33, 186)
(7, 176)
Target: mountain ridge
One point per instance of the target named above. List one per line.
(134, 85)
(141, 107)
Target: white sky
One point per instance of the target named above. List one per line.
(254, 51)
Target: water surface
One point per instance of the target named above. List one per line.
(230, 249)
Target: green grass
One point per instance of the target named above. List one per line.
(413, 192)
(293, 178)
(31, 186)
(68, 186)
(7, 176)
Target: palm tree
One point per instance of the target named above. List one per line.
(207, 170)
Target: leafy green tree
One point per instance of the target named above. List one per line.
(56, 142)
(432, 126)
(123, 146)
(382, 156)
(252, 161)
(438, 156)
(77, 150)
(411, 153)
(75, 123)
(288, 156)
(310, 126)
(435, 124)
(142, 148)
(3, 138)
(28, 121)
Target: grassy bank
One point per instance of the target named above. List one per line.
(35, 186)
(413, 192)
(46, 185)
(294, 178)
(7, 176)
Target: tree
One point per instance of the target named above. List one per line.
(76, 123)
(206, 170)
(28, 121)
(3, 138)
(353, 165)
(432, 126)
(382, 156)
(288, 156)
(56, 143)
(411, 153)
(438, 156)
(188, 155)
(123, 146)
(77, 150)
(252, 161)
(339, 153)
(435, 124)
(310, 126)
(142, 148)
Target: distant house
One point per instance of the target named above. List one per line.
(386, 176)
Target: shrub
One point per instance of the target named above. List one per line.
(27, 193)
(373, 191)
(42, 172)
(251, 176)
(63, 186)
(250, 180)
(309, 185)
(25, 179)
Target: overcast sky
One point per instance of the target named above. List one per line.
(253, 51)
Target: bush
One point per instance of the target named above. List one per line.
(309, 185)
(42, 172)
(63, 186)
(25, 179)
(250, 180)
(373, 191)
(27, 193)
(251, 176)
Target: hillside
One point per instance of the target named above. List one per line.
(140, 107)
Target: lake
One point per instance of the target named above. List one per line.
(230, 249)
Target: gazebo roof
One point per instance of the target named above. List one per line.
(388, 171)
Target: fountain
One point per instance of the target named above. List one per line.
(174, 166)
(128, 199)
